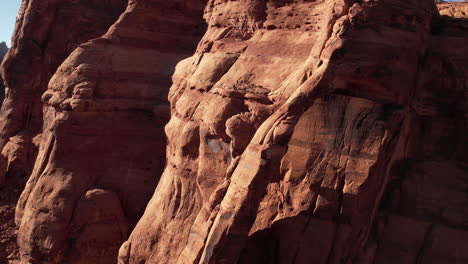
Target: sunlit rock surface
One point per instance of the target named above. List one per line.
(266, 132)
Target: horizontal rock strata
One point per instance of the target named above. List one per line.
(104, 114)
(245, 131)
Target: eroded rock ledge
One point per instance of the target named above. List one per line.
(295, 131)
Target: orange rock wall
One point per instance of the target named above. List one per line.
(290, 132)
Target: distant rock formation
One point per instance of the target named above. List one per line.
(249, 131)
(3, 51)
(456, 10)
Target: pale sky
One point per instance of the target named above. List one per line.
(8, 11)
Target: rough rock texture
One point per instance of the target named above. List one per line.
(456, 10)
(423, 217)
(104, 114)
(299, 132)
(314, 131)
(8, 197)
(47, 31)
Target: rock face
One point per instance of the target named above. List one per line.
(104, 114)
(314, 132)
(456, 10)
(423, 215)
(295, 132)
(46, 33)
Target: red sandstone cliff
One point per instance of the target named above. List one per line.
(299, 131)
(306, 123)
(47, 31)
(103, 144)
